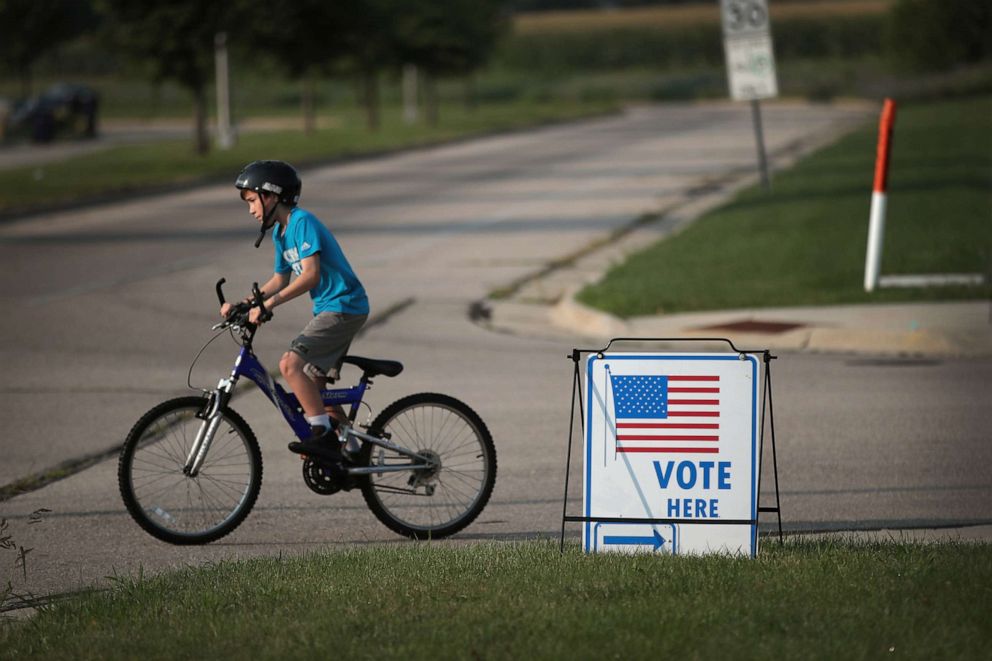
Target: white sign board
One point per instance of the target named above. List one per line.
(747, 42)
(672, 436)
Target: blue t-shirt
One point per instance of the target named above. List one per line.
(339, 289)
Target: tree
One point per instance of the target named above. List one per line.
(447, 38)
(305, 40)
(176, 39)
(33, 28)
(370, 43)
(938, 35)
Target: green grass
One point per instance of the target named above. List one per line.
(809, 599)
(163, 164)
(804, 243)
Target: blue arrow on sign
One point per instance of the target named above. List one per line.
(655, 540)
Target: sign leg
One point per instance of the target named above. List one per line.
(568, 458)
(759, 137)
(771, 416)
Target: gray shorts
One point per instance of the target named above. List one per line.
(325, 341)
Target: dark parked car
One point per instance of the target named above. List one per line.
(62, 108)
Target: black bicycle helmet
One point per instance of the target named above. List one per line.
(277, 177)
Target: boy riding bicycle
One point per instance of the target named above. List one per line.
(304, 246)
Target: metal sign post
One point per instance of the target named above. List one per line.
(409, 86)
(747, 42)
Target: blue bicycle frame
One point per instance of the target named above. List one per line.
(247, 364)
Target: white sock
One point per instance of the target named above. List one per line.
(319, 420)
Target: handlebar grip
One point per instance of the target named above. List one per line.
(259, 301)
(220, 290)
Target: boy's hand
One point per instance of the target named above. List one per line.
(227, 310)
(255, 316)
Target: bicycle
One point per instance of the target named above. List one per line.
(190, 469)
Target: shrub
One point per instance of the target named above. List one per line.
(939, 35)
(662, 47)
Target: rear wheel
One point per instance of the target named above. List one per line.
(451, 488)
(169, 504)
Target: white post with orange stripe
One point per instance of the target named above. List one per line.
(876, 221)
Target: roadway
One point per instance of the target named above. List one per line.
(105, 307)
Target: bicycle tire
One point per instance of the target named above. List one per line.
(182, 512)
(442, 427)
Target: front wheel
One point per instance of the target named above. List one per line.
(173, 506)
(450, 492)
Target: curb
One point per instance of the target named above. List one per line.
(975, 341)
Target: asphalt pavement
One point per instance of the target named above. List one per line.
(110, 304)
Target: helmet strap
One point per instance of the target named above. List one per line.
(267, 222)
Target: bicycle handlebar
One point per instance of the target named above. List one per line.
(239, 311)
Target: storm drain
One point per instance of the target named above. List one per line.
(753, 326)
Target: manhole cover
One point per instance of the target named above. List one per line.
(753, 326)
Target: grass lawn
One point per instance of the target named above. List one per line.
(808, 599)
(159, 165)
(804, 243)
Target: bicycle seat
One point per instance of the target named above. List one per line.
(373, 367)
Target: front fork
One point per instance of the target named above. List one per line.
(211, 414)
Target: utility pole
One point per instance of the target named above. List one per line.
(225, 131)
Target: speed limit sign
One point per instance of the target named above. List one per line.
(747, 40)
(744, 16)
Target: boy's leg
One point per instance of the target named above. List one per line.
(322, 344)
(292, 368)
(323, 441)
(322, 381)
(337, 413)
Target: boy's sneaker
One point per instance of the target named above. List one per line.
(323, 444)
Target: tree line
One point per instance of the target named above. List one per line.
(175, 40)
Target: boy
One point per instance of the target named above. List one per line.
(304, 246)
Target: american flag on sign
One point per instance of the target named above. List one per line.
(668, 413)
